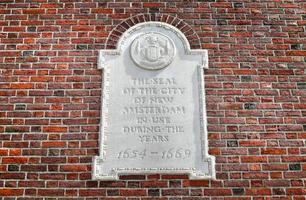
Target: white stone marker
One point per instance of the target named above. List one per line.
(153, 106)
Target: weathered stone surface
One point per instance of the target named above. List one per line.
(153, 108)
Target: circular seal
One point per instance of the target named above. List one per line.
(152, 51)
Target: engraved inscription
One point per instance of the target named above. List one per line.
(153, 104)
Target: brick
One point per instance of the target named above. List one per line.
(37, 107)
(281, 72)
(295, 167)
(296, 191)
(114, 193)
(22, 86)
(217, 192)
(132, 192)
(31, 29)
(275, 167)
(11, 192)
(293, 158)
(133, 184)
(258, 192)
(13, 176)
(153, 5)
(175, 184)
(195, 183)
(33, 168)
(221, 22)
(27, 53)
(296, 53)
(20, 107)
(221, 5)
(52, 176)
(36, 121)
(230, 106)
(246, 78)
(34, 11)
(153, 192)
(273, 151)
(234, 167)
(74, 168)
(301, 85)
(51, 192)
(249, 106)
(279, 191)
(232, 121)
(174, 176)
(253, 159)
(238, 191)
(112, 184)
(234, 151)
(14, 160)
(236, 183)
(3, 152)
(277, 183)
(35, 183)
(13, 168)
(255, 175)
(154, 184)
(232, 143)
(251, 128)
(56, 129)
(54, 144)
(13, 29)
(92, 192)
(102, 10)
(295, 174)
(252, 143)
(175, 192)
(245, 72)
(238, 5)
(82, 28)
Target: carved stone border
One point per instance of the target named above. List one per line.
(115, 35)
(104, 57)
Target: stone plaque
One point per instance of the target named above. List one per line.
(153, 106)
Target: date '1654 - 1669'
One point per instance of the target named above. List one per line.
(172, 153)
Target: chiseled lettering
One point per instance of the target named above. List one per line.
(154, 138)
(174, 129)
(166, 99)
(161, 120)
(154, 81)
(147, 90)
(142, 129)
(153, 120)
(129, 91)
(153, 129)
(172, 91)
(154, 110)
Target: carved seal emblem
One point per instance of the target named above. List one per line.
(152, 51)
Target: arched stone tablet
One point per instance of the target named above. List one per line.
(153, 106)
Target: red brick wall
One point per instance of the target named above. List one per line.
(50, 98)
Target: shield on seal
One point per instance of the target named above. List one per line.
(152, 53)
